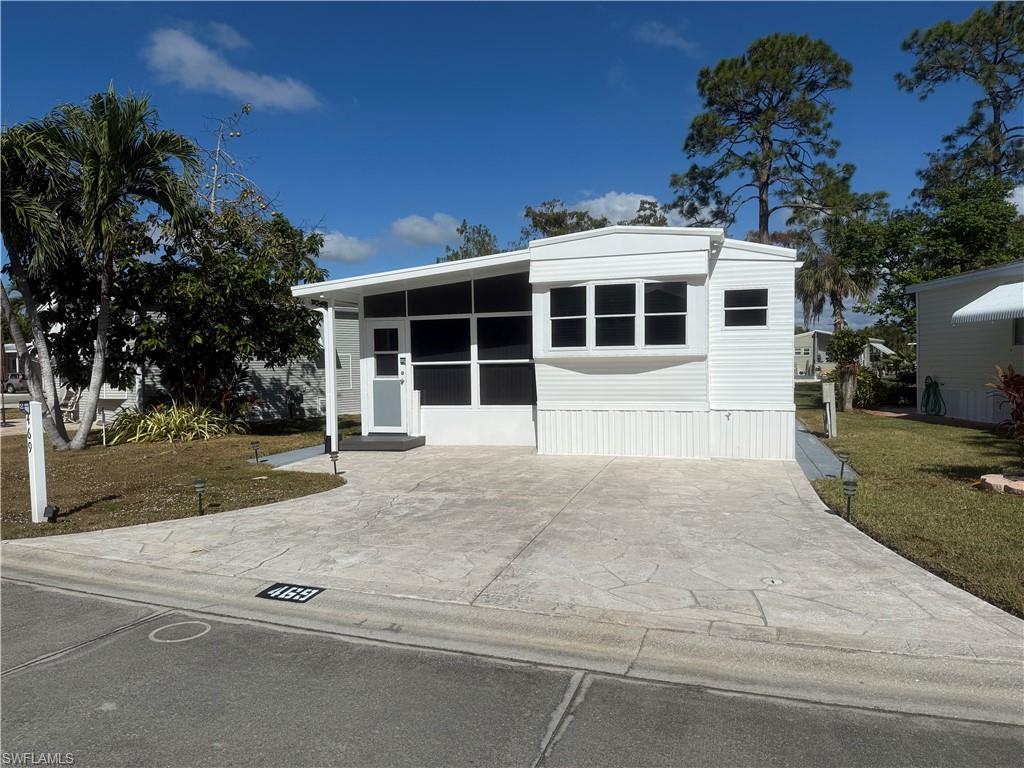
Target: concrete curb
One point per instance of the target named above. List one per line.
(977, 689)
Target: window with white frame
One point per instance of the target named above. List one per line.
(664, 314)
(746, 308)
(569, 317)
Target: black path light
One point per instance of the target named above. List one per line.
(843, 458)
(200, 486)
(334, 459)
(849, 491)
(255, 445)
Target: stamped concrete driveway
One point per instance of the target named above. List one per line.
(737, 548)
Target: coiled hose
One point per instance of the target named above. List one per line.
(931, 401)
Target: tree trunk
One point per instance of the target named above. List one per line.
(997, 137)
(847, 387)
(90, 398)
(42, 385)
(838, 315)
(764, 175)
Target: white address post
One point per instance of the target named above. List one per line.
(36, 461)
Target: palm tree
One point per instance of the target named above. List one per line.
(112, 154)
(831, 273)
(32, 219)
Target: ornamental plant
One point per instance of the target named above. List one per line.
(1010, 384)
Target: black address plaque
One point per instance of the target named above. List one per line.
(290, 593)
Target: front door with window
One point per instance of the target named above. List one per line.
(387, 385)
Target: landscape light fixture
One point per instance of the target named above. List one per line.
(334, 459)
(849, 491)
(50, 513)
(200, 486)
(255, 445)
(843, 458)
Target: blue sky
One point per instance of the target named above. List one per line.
(384, 125)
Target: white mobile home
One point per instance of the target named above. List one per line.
(966, 326)
(637, 341)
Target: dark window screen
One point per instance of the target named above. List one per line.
(507, 293)
(385, 339)
(567, 302)
(616, 331)
(757, 297)
(504, 338)
(387, 363)
(744, 317)
(569, 333)
(438, 341)
(665, 329)
(385, 305)
(615, 299)
(507, 384)
(447, 299)
(443, 384)
(664, 297)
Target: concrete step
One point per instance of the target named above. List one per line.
(382, 442)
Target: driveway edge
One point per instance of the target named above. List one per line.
(977, 689)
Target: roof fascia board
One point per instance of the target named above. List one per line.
(1012, 268)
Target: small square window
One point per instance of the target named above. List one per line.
(616, 331)
(615, 299)
(664, 330)
(568, 302)
(569, 333)
(747, 308)
(660, 298)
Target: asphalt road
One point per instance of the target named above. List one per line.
(122, 684)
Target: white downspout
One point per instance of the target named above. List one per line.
(330, 375)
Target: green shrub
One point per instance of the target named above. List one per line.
(172, 422)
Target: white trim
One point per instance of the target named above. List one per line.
(1012, 269)
(571, 405)
(716, 234)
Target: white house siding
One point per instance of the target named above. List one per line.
(615, 432)
(750, 371)
(963, 358)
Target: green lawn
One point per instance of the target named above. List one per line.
(142, 483)
(918, 496)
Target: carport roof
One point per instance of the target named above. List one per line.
(349, 289)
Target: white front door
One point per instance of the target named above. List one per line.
(390, 370)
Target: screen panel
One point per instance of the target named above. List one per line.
(447, 299)
(504, 338)
(438, 341)
(507, 384)
(443, 384)
(506, 293)
(385, 305)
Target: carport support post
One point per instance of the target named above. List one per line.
(330, 378)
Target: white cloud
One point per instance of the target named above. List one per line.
(1017, 198)
(341, 247)
(227, 36)
(439, 229)
(622, 206)
(662, 35)
(177, 56)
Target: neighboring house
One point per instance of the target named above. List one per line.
(811, 356)
(10, 362)
(966, 326)
(292, 391)
(639, 341)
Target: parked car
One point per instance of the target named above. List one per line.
(15, 382)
